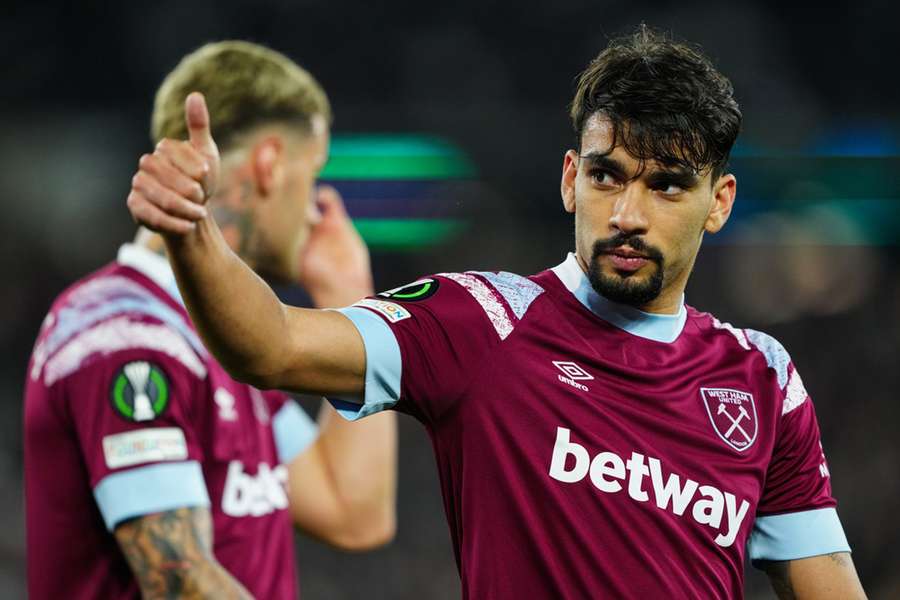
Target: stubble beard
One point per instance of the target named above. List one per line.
(631, 289)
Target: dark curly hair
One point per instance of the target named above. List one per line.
(665, 100)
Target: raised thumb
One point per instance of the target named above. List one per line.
(197, 117)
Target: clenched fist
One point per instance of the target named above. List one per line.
(172, 185)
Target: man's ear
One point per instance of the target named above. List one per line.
(567, 185)
(724, 192)
(267, 162)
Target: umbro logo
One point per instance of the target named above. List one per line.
(572, 374)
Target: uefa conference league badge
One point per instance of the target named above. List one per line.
(140, 391)
(386, 303)
(412, 292)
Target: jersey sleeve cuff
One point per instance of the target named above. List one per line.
(383, 366)
(797, 535)
(294, 431)
(150, 489)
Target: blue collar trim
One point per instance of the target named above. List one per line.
(656, 327)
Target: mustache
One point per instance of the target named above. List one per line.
(635, 242)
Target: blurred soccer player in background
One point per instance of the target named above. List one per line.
(595, 436)
(149, 471)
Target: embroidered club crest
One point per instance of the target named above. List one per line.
(733, 416)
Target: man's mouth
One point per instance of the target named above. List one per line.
(626, 259)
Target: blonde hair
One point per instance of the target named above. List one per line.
(245, 85)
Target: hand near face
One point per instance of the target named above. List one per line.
(334, 266)
(172, 185)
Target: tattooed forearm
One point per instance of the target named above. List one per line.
(823, 577)
(171, 556)
(780, 576)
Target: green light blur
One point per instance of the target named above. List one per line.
(395, 157)
(405, 234)
(400, 157)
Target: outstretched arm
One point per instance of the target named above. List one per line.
(257, 338)
(171, 556)
(826, 577)
(342, 489)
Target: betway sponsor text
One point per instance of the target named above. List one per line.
(608, 472)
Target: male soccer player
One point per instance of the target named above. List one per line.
(595, 436)
(140, 450)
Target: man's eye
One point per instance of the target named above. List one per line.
(670, 189)
(601, 177)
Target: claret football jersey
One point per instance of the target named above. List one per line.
(589, 450)
(127, 414)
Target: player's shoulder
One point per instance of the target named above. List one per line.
(757, 343)
(753, 345)
(107, 315)
(498, 299)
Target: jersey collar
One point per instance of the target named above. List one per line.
(660, 328)
(150, 264)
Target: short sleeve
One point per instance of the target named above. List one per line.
(293, 429)
(797, 516)
(426, 341)
(133, 418)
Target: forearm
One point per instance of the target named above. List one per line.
(824, 577)
(170, 554)
(362, 460)
(207, 581)
(238, 315)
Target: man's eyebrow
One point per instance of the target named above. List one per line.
(681, 175)
(599, 159)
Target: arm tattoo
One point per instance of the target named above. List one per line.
(780, 576)
(842, 559)
(171, 556)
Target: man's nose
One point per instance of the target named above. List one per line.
(629, 214)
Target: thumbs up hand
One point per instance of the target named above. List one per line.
(172, 185)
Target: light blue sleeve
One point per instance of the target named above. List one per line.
(797, 535)
(294, 431)
(154, 488)
(383, 366)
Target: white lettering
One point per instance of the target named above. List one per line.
(636, 473)
(573, 383)
(607, 463)
(708, 511)
(254, 495)
(607, 470)
(561, 450)
(734, 520)
(671, 490)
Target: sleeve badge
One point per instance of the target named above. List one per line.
(140, 391)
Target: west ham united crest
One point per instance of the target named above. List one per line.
(733, 416)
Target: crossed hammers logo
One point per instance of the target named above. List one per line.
(735, 421)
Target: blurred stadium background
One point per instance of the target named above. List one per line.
(451, 126)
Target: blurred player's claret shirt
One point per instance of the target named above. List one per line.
(127, 414)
